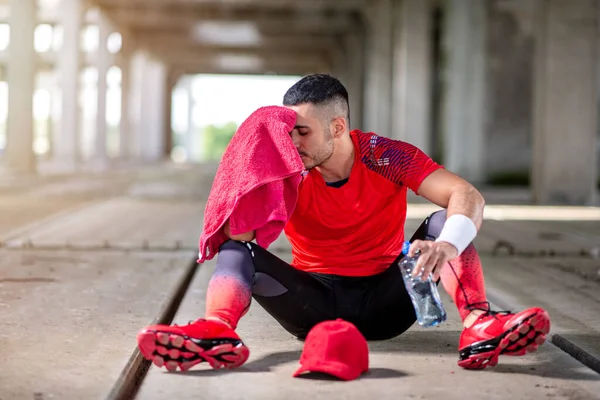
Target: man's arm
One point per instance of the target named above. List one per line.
(464, 216)
(453, 193)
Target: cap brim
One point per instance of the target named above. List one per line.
(334, 368)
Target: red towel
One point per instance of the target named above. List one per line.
(256, 184)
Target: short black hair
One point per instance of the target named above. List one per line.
(318, 89)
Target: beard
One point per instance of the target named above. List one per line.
(320, 156)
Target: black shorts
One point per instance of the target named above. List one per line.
(378, 305)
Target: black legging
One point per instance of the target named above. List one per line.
(378, 305)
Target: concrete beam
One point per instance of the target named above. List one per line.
(46, 15)
(185, 40)
(209, 65)
(228, 4)
(297, 64)
(205, 52)
(266, 22)
(48, 60)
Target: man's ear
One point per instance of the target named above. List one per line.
(339, 126)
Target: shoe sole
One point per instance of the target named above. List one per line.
(172, 351)
(523, 338)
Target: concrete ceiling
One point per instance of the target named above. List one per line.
(239, 36)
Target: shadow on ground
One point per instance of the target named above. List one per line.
(267, 362)
(424, 342)
(434, 341)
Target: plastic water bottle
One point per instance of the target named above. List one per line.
(423, 294)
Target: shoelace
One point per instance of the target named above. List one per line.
(485, 306)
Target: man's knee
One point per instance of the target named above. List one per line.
(233, 245)
(235, 259)
(431, 227)
(435, 223)
(239, 256)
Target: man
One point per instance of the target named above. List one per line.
(346, 234)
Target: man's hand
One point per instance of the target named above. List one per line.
(433, 256)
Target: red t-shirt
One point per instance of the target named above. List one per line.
(358, 228)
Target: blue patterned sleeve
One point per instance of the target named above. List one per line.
(399, 162)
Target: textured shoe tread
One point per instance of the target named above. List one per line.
(523, 338)
(173, 350)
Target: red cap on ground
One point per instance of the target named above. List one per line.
(336, 348)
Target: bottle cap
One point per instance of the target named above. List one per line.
(405, 248)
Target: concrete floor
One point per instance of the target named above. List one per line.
(419, 364)
(69, 319)
(84, 266)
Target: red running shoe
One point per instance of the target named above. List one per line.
(185, 346)
(495, 333)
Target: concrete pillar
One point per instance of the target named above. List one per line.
(411, 97)
(168, 117)
(565, 144)
(163, 101)
(348, 66)
(464, 111)
(355, 64)
(509, 85)
(103, 62)
(124, 59)
(124, 124)
(339, 69)
(151, 138)
(21, 84)
(51, 124)
(67, 140)
(137, 77)
(191, 132)
(378, 88)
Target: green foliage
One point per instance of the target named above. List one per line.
(216, 139)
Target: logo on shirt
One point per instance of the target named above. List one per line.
(377, 161)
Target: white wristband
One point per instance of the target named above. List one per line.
(459, 230)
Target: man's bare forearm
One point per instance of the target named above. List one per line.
(467, 200)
